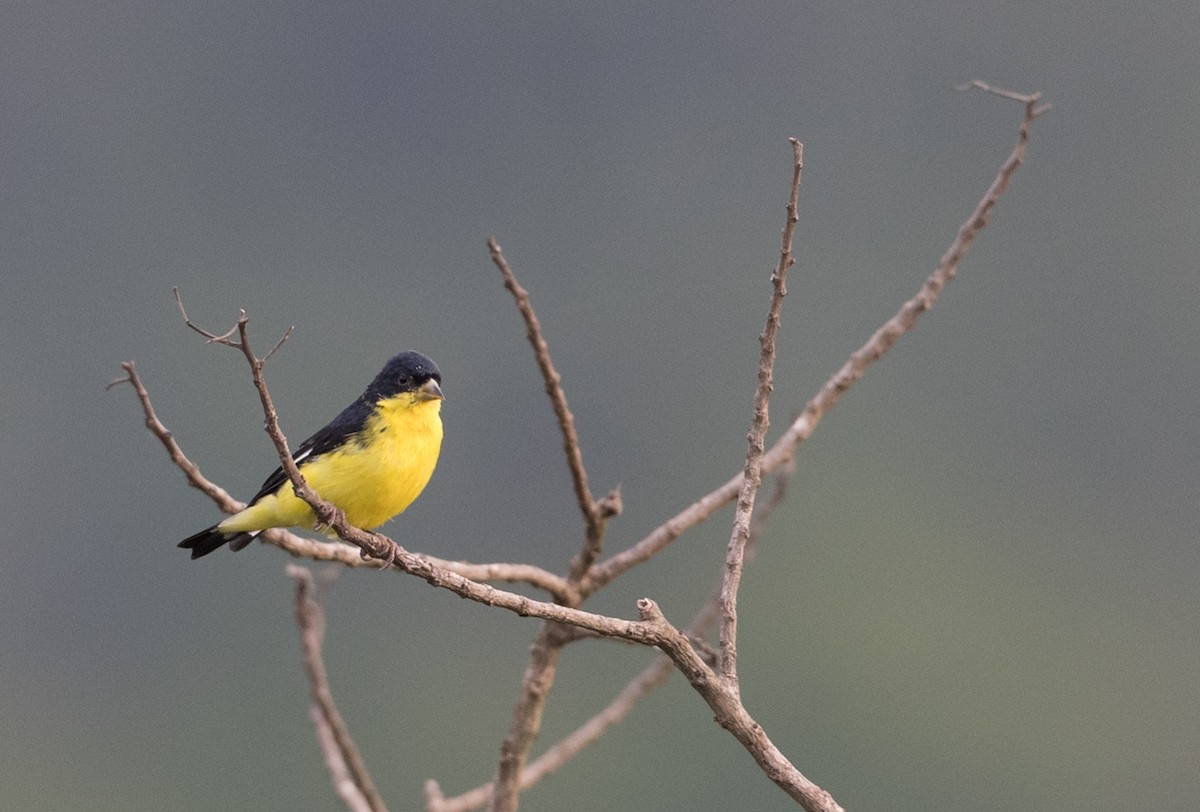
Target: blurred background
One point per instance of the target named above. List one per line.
(981, 593)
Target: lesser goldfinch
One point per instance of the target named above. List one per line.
(371, 461)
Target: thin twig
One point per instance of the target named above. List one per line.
(1029, 99)
(555, 586)
(190, 470)
(499, 572)
(756, 439)
(831, 392)
(279, 343)
(212, 338)
(224, 339)
(375, 545)
(343, 782)
(595, 514)
(337, 745)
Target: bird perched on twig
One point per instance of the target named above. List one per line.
(371, 461)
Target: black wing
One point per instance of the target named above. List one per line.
(341, 428)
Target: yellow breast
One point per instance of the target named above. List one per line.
(372, 478)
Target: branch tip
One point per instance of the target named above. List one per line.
(611, 505)
(648, 610)
(756, 435)
(127, 378)
(1029, 99)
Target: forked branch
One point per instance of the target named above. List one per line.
(714, 678)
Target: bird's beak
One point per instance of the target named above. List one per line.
(430, 391)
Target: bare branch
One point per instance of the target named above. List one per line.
(639, 687)
(224, 339)
(594, 516)
(651, 630)
(349, 556)
(435, 799)
(555, 585)
(527, 716)
(562, 752)
(539, 675)
(831, 392)
(1028, 99)
(486, 594)
(213, 338)
(722, 697)
(343, 782)
(756, 439)
(553, 381)
(341, 754)
(190, 470)
(279, 343)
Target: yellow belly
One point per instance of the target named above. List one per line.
(371, 479)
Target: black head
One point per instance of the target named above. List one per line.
(406, 372)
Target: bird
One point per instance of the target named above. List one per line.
(372, 460)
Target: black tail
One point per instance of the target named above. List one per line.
(208, 540)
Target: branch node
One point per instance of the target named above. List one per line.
(649, 612)
(611, 505)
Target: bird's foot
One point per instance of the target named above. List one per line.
(387, 560)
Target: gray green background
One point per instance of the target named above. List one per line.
(982, 593)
